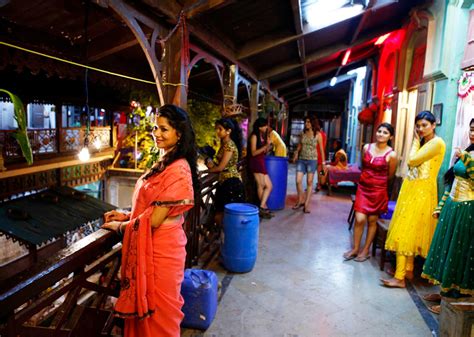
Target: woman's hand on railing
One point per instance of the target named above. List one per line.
(115, 226)
(115, 215)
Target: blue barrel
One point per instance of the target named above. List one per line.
(277, 168)
(199, 290)
(240, 244)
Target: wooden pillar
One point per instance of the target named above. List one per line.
(175, 64)
(254, 95)
(231, 77)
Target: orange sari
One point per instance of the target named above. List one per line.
(153, 259)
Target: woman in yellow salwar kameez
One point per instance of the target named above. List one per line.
(412, 226)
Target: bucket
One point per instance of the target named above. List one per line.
(240, 243)
(199, 290)
(277, 168)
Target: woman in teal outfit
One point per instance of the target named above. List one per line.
(450, 261)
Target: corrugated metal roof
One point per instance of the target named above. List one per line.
(38, 218)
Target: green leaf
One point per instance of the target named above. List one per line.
(21, 134)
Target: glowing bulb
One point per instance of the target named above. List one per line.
(333, 81)
(84, 155)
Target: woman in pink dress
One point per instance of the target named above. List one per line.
(153, 252)
(379, 163)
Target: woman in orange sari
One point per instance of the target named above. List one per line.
(153, 252)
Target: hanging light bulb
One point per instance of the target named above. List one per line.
(84, 154)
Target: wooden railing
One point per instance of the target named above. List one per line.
(201, 229)
(68, 294)
(55, 141)
(27, 308)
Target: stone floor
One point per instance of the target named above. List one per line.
(301, 287)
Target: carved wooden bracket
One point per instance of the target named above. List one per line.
(135, 21)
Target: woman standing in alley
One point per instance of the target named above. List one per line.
(412, 226)
(306, 157)
(230, 188)
(153, 251)
(450, 261)
(260, 145)
(379, 163)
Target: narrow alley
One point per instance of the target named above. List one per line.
(302, 287)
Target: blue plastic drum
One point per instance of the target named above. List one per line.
(240, 244)
(277, 168)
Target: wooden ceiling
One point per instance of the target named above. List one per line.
(269, 39)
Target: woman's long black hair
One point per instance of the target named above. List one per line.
(426, 115)
(235, 131)
(337, 148)
(314, 124)
(186, 146)
(390, 129)
(259, 122)
(449, 175)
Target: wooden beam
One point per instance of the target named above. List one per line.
(203, 73)
(260, 45)
(171, 10)
(315, 73)
(363, 20)
(323, 53)
(56, 163)
(320, 86)
(107, 51)
(202, 6)
(296, 8)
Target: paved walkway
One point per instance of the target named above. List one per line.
(301, 287)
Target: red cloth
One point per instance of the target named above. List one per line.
(257, 164)
(153, 260)
(320, 157)
(351, 173)
(372, 193)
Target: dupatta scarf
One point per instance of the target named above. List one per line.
(170, 188)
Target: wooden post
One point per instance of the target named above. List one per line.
(231, 75)
(175, 64)
(254, 95)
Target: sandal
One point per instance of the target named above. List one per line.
(264, 214)
(305, 210)
(435, 309)
(297, 206)
(432, 297)
(362, 258)
(349, 256)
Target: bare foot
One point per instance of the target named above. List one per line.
(409, 274)
(393, 283)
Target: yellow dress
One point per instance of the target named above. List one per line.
(412, 225)
(279, 145)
